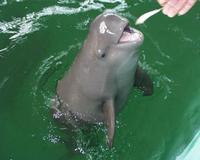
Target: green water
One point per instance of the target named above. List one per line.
(38, 42)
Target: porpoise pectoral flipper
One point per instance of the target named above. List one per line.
(109, 113)
(143, 82)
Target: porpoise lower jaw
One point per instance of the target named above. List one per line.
(130, 35)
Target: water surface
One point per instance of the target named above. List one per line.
(38, 42)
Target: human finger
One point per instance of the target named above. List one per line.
(187, 7)
(162, 2)
(172, 7)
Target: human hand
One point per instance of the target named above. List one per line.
(172, 8)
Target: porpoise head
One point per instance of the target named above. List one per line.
(112, 37)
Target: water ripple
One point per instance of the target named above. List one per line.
(3, 3)
(47, 66)
(2, 52)
(19, 27)
(28, 24)
(3, 82)
(161, 80)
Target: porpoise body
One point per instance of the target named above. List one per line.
(100, 79)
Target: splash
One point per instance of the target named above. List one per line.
(92, 147)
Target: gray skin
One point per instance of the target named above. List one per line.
(102, 75)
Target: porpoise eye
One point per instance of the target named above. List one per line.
(101, 53)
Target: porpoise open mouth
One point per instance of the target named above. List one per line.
(129, 35)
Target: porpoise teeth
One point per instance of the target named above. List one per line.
(128, 37)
